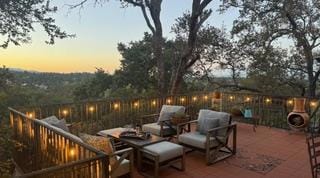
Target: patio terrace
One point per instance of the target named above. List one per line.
(266, 153)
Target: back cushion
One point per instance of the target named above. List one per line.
(223, 117)
(167, 111)
(100, 143)
(207, 124)
(53, 120)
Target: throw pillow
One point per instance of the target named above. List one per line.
(53, 120)
(165, 116)
(100, 143)
(207, 123)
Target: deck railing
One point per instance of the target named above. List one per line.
(44, 151)
(92, 116)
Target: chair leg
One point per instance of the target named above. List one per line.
(156, 168)
(183, 161)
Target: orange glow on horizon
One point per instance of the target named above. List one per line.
(57, 61)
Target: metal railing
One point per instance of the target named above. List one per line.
(92, 116)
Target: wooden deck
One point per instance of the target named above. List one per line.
(266, 153)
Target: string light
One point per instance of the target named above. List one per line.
(290, 102)
(205, 97)
(268, 100)
(248, 99)
(231, 97)
(313, 103)
(91, 108)
(194, 98)
(116, 105)
(65, 112)
(30, 115)
(153, 103)
(169, 101)
(182, 99)
(136, 104)
(72, 152)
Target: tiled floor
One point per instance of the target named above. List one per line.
(289, 149)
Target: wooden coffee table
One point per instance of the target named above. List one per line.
(135, 143)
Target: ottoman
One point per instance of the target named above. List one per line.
(163, 154)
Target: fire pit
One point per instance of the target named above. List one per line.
(298, 118)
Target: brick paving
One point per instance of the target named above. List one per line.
(286, 149)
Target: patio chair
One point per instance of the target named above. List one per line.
(313, 142)
(121, 161)
(162, 127)
(211, 135)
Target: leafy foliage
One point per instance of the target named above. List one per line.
(261, 24)
(19, 16)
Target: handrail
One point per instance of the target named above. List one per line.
(64, 166)
(89, 147)
(112, 99)
(47, 151)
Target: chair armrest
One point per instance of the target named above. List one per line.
(148, 116)
(232, 125)
(120, 152)
(190, 122)
(180, 127)
(124, 153)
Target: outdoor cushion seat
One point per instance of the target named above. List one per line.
(155, 129)
(164, 117)
(198, 140)
(163, 154)
(165, 150)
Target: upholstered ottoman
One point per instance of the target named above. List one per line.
(163, 154)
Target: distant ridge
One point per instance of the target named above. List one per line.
(22, 70)
(19, 70)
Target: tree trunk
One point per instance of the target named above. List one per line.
(187, 60)
(311, 78)
(158, 55)
(177, 78)
(157, 41)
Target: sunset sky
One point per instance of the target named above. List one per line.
(98, 30)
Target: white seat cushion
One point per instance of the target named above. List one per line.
(124, 168)
(154, 128)
(165, 150)
(198, 140)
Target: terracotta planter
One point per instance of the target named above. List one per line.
(217, 95)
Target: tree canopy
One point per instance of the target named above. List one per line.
(263, 23)
(18, 17)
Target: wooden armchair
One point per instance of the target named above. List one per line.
(161, 123)
(215, 139)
